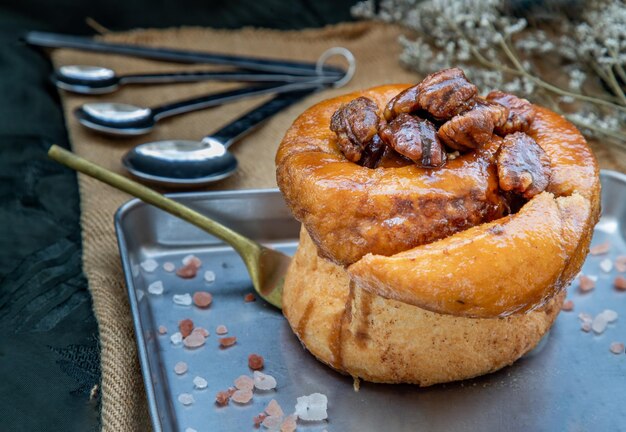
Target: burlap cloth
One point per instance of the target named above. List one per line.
(376, 49)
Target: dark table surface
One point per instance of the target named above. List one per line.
(49, 355)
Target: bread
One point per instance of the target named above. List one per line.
(426, 269)
(387, 341)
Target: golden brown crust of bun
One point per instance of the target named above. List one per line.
(350, 210)
(384, 340)
(495, 269)
(431, 237)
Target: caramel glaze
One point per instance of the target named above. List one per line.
(304, 320)
(350, 210)
(511, 265)
(406, 233)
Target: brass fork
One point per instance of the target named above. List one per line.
(267, 267)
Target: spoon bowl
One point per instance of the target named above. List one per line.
(124, 119)
(86, 79)
(178, 163)
(97, 80)
(114, 118)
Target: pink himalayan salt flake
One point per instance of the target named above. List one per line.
(244, 382)
(222, 397)
(272, 423)
(620, 283)
(257, 420)
(169, 266)
(289, 424)
(194, 340)
(185, 327)
(221, 330)
(620, 263)
(617, 348)
(193, 261)
(600, 249)
(242, 396)
(180, 368)
(249, 298)
(204, 332)
(255, 361)
(274, 409)
(226, 342)
(187, 272)
(202, 299)
(162, 329)
(586, 327)
(585, 317)
(586, 283)
(568, 306)
(263, 381)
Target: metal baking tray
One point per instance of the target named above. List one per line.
(570, 382)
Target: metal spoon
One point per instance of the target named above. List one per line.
(191, 163)
(124, 119)
(55, 40)
(85, 79)
(267, 267)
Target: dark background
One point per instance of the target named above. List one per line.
(49, 354)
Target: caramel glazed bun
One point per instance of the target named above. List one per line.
(439, 262)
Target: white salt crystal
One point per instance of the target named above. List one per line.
(156, 288)
(606, 265)
(169, 266)
(134, 269)
(176, 338)
(186, 399)
(609, 315)
(140, 295)
(200, 383)
(182, 299)
(149, 265)
(593, 277)
(263, 381)
(190, 430)
(585, 317)
(312, 407)
(209, 276)
(599, 324)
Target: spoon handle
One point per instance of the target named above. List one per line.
(224, 76)
(243, 245)
(214, 99)
(55, 40)
(245, 124)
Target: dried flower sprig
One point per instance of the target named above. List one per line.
(498, 50)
